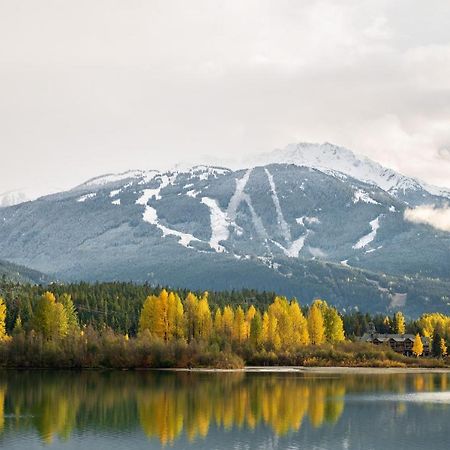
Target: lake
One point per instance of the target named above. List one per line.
(190, 410)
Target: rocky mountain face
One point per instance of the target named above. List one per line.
(308, 221)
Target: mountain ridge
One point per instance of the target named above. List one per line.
(263, 227)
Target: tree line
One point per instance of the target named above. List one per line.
(41, 327)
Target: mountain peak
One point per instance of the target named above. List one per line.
(331, 158)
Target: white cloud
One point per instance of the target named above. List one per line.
(438, 218)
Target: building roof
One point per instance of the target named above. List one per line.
(384, 337)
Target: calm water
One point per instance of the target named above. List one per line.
(148, 410)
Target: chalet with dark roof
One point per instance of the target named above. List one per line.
(400, 343)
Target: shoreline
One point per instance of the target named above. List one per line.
(315, 370)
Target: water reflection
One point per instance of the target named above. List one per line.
(167, 406)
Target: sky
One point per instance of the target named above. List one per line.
(89, 87)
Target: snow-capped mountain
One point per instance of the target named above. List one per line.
(298, 228)
(332, 158)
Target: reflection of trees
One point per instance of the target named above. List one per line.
(166, 405)
(237, 401)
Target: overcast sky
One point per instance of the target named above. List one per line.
(96, 86)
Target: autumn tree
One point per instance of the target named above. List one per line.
(417, 346)
(228, 322)
(334, 327)
(71, 313)
(316, 324)
(300, 333)
(204, 325)
(399, 323)
(256, 330)
(50, 318)
(3, 334)
(239, 325)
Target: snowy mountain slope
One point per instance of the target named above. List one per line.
(331, 159)
(268, 227)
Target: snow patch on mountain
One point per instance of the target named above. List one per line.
(361, 196)
(115, 192)
(296, 246)
(368, 238)
(286, 232)
(219, 225)
(85, 197)
(151, 216)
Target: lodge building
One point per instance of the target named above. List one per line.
(400, 343)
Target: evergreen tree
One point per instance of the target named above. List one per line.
(436, 349)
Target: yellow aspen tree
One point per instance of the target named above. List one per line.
(399, 323)
(228, 321)
(218, 322)
(417, 348)
(163, 313)
(334, 326)
(250, 314)
(443, 347)
(3, 335)
(256, 330)
(239, 326)
(316, 325)
(71, 313)
(50, 318)
(204, 318)
(280, 310)
(150, 316)
(175, 316)
(299, 323)
(271, 336)
(191, 313)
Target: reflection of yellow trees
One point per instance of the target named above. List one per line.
(279, 402)
(169, 405)
(2, 406)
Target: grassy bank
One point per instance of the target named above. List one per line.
(110, 350)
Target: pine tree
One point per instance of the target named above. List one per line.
(436, 349)
(417, 346)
